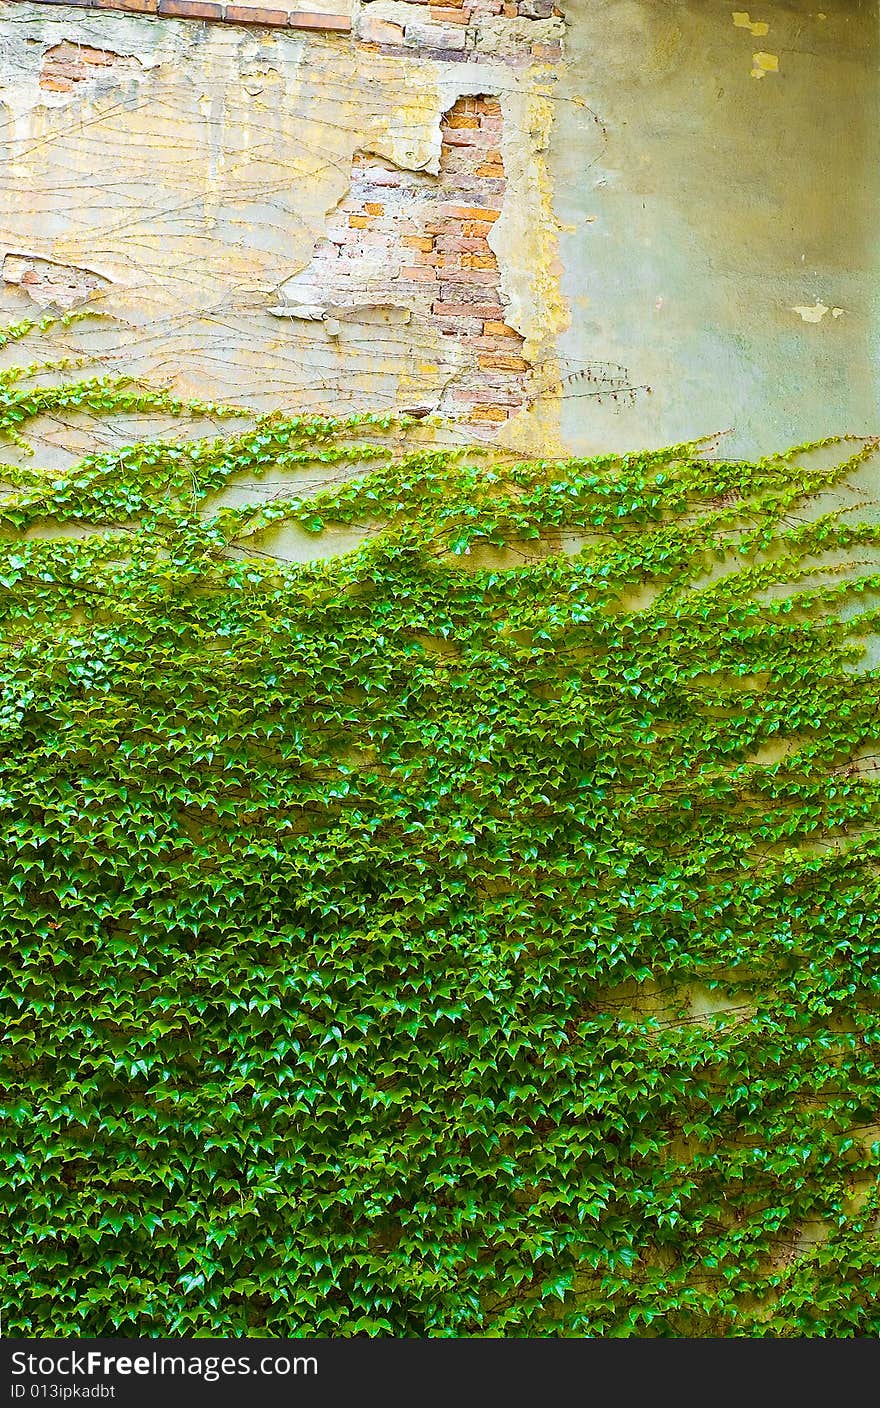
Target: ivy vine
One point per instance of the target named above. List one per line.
(402, 944)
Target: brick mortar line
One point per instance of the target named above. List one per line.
(222, 13)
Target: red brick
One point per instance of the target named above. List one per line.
(418, 273)
(445, 309)
(138, 7)
(312, 19)
(458, 244)
(190, 9)
(253, 14)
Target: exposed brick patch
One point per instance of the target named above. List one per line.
(65, 65)
(473, 30)
(219, 12)
(447, 33)
(52, 285)
(419, 244)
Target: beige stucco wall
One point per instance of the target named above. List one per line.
(716, 171)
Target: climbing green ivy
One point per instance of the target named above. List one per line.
(405, 943)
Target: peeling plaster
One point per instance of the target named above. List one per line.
(205, 185)
(202, 188)
(815, 312)
(742, 21)
(50, 283)
(763, 64)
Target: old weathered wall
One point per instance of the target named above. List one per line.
(517, 219)
(289, 218)
(717, 175)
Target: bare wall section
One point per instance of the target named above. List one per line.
(716, 176)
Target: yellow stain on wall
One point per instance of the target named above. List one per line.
(764, 63)
(742, 21)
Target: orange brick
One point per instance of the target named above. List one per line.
(460, 119)
(423, 242)
(492, 329)
(374, 207)
(488, 413)
(56, 85)
(471, 212)
(501, 362)
(491, 168)
(448, 15)
(488, 105)
(479, 261)
(475, 229)
(95, 56)
(359, 222)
